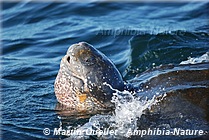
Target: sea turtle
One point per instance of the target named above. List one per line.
(87, 79)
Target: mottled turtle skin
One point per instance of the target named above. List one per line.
(84, 79)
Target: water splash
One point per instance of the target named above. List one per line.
(201, 59)
(128, 109)
(127, 112)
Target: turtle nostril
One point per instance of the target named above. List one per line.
(68, 59)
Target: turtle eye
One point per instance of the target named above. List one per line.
(89, 60)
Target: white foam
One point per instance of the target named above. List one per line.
(201, 59)
(128, 109)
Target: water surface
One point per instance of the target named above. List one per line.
(135, 36)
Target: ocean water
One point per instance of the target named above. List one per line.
(135, 36)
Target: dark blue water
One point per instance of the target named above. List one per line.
(135, 36)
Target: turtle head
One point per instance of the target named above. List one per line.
(87, 78)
